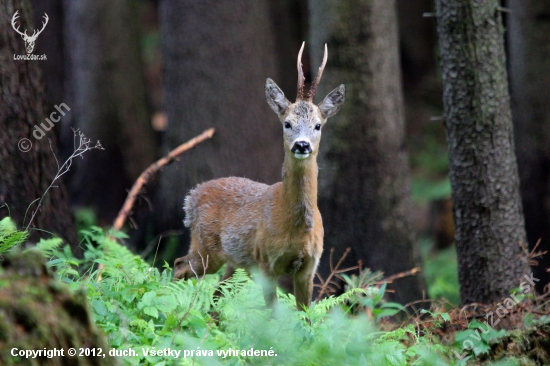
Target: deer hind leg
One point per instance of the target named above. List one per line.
(229, 271)
(199, 261)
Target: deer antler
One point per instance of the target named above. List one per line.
(35, 34)
(315, 83)
(13, 19)
(301, 77)
(24, 34)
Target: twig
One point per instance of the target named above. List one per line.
(146, 175)
(333, 270)
(531, 255)
(153, 243)
(156, 252)
(83, 146)
(153, 168)
(399, 275)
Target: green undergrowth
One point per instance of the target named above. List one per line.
(148, 318)
(440, 271)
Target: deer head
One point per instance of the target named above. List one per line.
(29, 40)
(302, 121)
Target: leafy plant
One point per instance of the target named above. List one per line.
(478, 337)
(10, 237)
(143, 313)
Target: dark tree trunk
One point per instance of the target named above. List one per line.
(51, 43)
(24, 176)
(529, 50)
(364, 178)
(109, 100)
(217, 56)
(486, 202)
(417, 40)
(421, 84)
(289, 22)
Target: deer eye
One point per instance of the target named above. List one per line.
(318, 126)
(287, 125)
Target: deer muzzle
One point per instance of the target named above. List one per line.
(301, 149)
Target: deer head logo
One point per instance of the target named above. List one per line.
(29, 40)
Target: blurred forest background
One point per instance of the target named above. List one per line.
(144, 76)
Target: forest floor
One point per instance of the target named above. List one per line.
(514, 330)
(137, 306)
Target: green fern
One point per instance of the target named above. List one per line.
(138, 306)
(330, 302)
(10, 237)
(48, 246)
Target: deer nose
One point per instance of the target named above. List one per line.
(301, 147)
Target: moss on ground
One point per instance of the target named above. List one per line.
(38, 312)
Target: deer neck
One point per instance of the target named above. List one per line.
(299, 192)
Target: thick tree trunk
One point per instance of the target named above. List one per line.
(289, 22)
(486, 202)
(109, 100)
(529, 50)
(364, 178)
(24, 176)
(217, 56)
(51, 44)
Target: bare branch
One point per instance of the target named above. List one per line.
(399, 275)
(153, 168)
(325, 287)
(83, 147)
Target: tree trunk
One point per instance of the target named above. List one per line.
(289, 20)
(25, 176)
(51, 43)
(108, 95)
(217, 56)
(417, 43)
(483, 171)
(364, 178)
(529, 46)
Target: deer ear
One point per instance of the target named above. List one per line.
(333, 101)
(275, 97)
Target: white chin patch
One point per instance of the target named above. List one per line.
(301, 156)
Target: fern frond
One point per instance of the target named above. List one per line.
(326, 304)
(47, 246)
(10, 237)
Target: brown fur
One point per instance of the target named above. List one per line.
(276, 228)
(246, 224)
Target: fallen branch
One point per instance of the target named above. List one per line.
(399, 275)
(146, 175)
(153, 168)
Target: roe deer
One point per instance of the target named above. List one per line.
(277, 228)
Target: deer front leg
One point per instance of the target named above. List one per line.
(303, 284)
(269, 287)
(303, 288)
